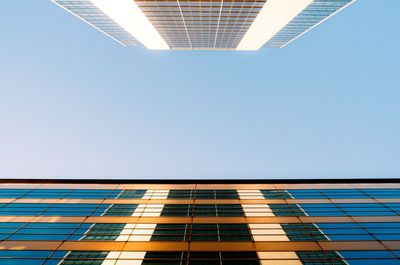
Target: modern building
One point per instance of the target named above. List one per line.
(204, 25)
(258, 222)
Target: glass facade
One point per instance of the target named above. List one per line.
(85, 10)
(311, 16)
(199, 223)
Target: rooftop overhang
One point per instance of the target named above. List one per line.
(196, 25)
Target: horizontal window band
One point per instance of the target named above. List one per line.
(200, 220)
(199, 201)
(314, 186)
(213, 1)
(198, 246)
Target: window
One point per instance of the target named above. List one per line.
(31, 257)
(177, 210)
(120, 210)
(181, 194)
(370, 257)
(84, 258)
(71, 193)
(170, 258)
(104, 232)
(234, 232)
(204, 232)
(55, 209)
(131, 194)
(218, 210)
(344, 193)
(203, 194)
(286, 210)
(224, 258)
(201, 232)
(276, 194)
(303, 232)
(170, 232)
(201, 258)
(320, 258)
(361, 231)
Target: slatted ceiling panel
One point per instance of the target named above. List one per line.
(236, 18)
(201, 24)
(202, 33)
(167, 19)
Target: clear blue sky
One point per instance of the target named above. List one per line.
(73, 103)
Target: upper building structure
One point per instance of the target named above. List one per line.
(204, 25)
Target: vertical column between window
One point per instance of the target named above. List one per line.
(265, 232)
(139, 232)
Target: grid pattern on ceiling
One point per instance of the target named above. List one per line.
(85, 10)
(316, 12)
(212, 24)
